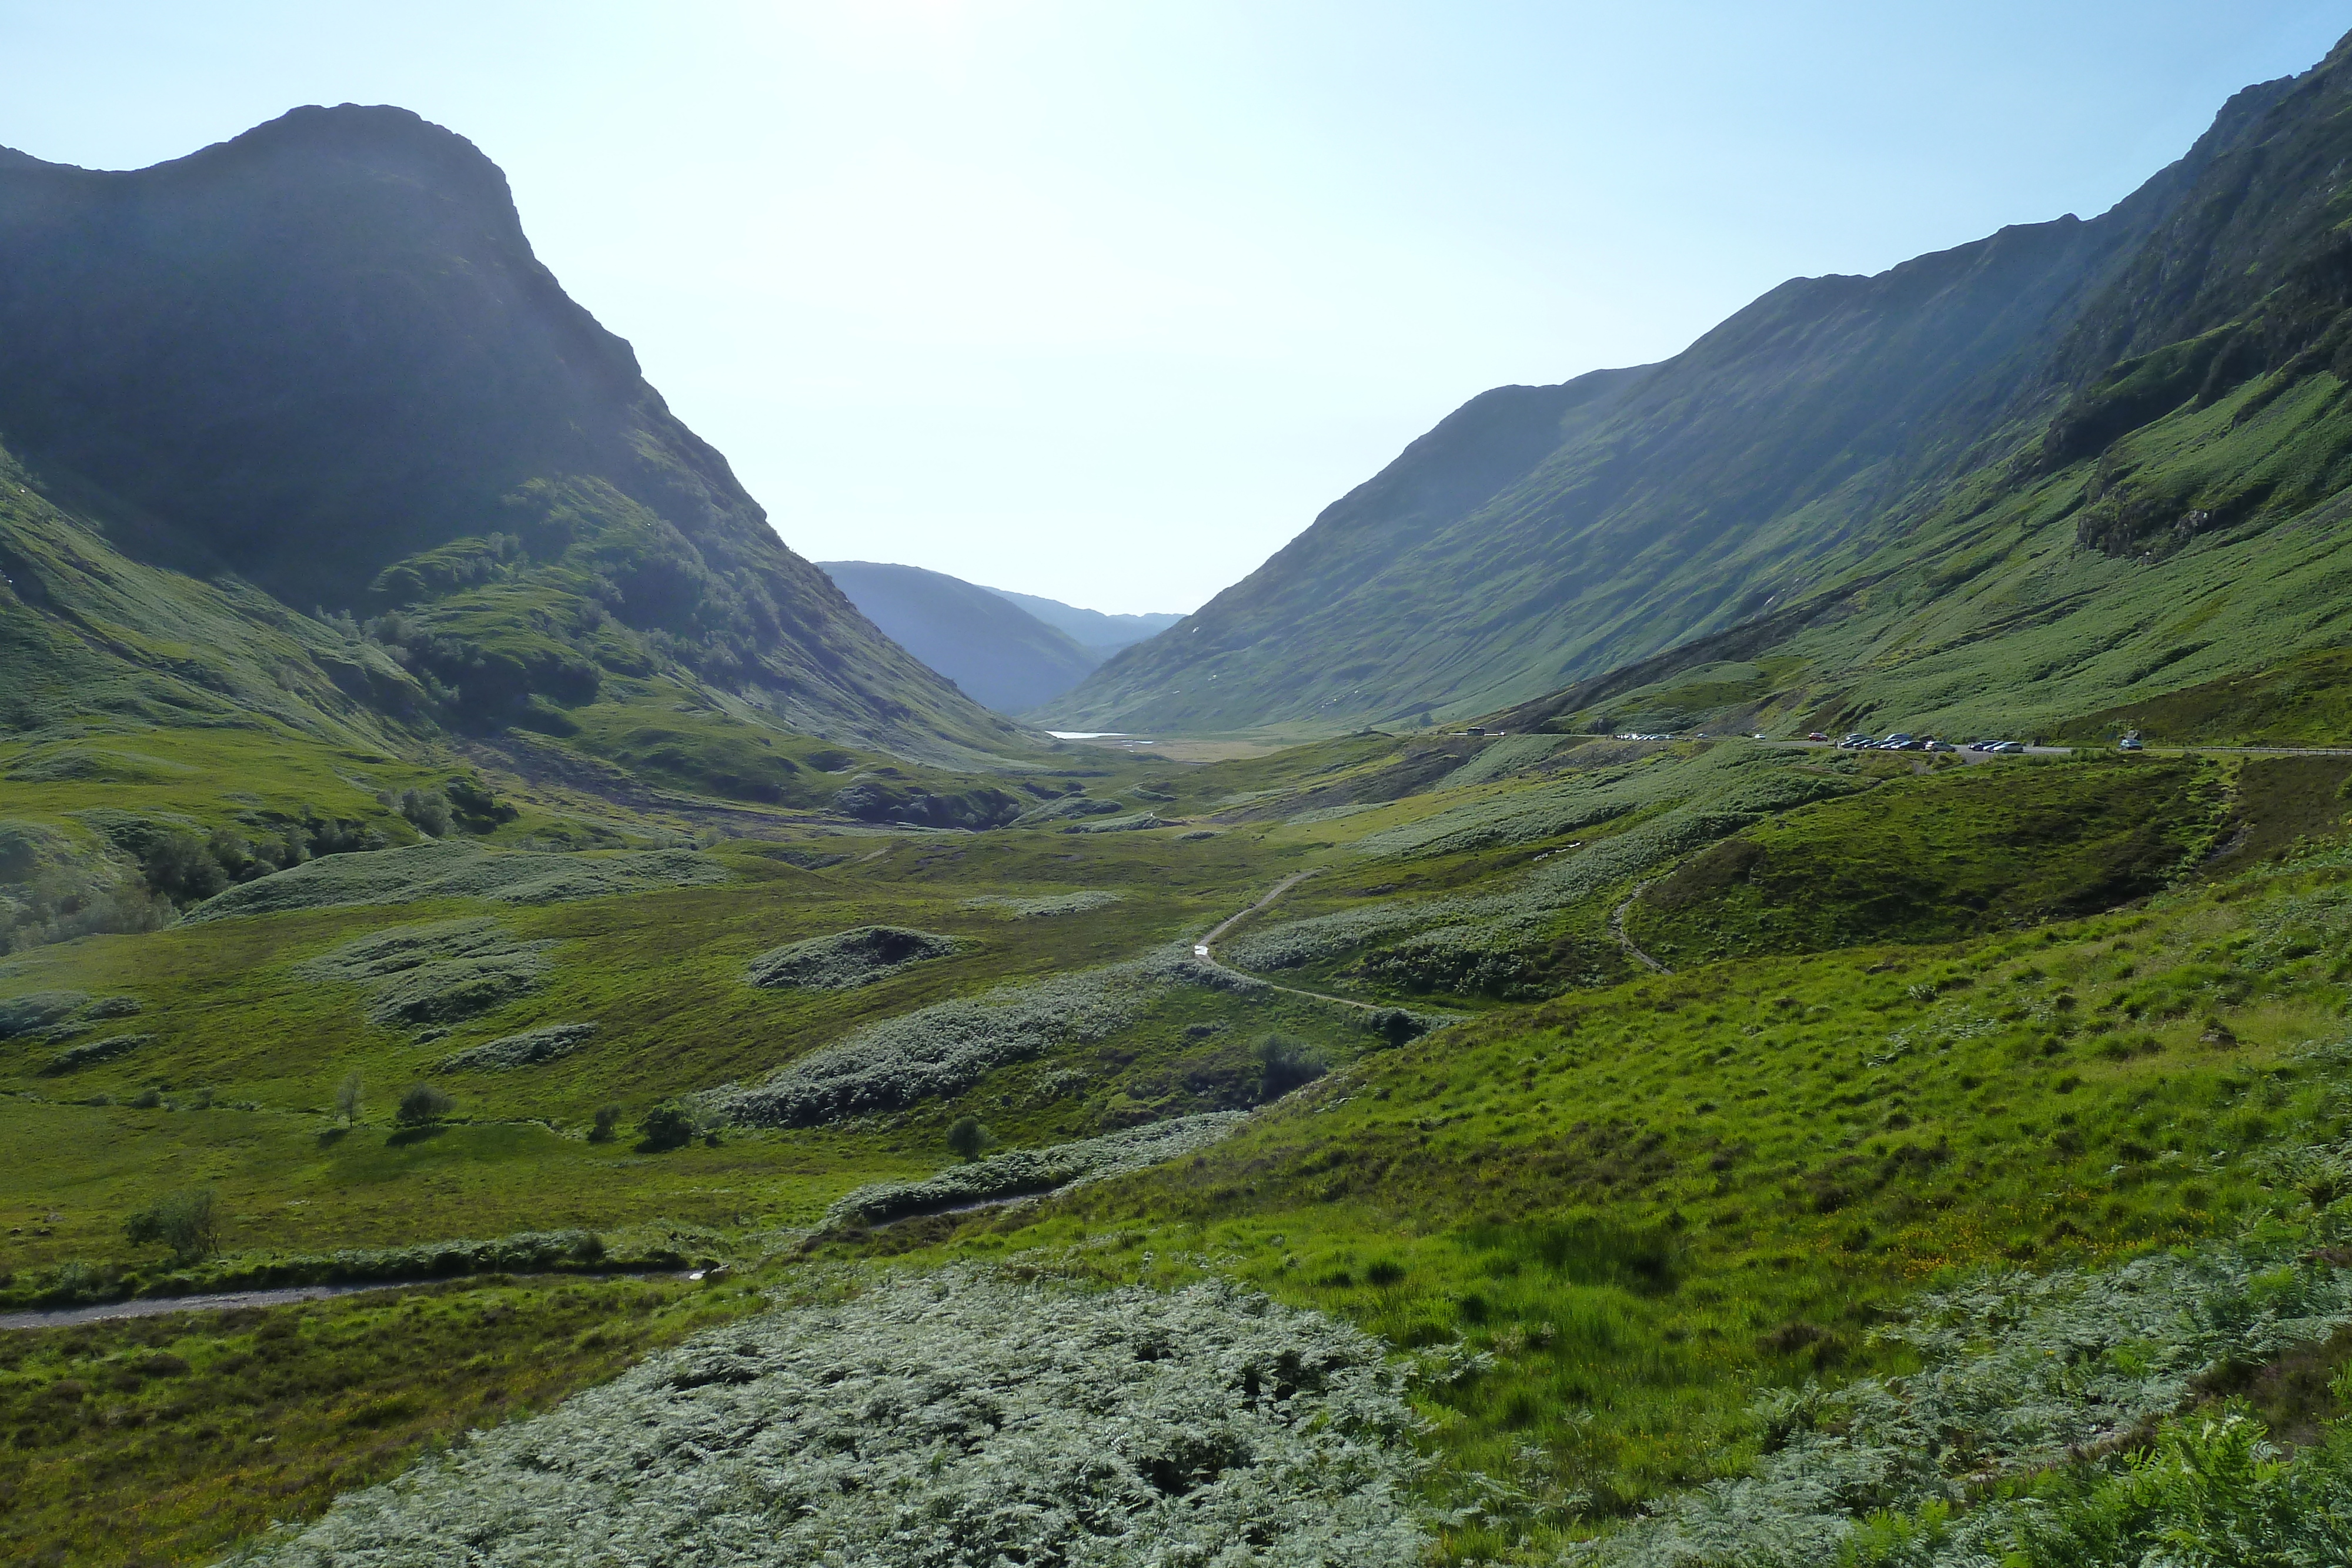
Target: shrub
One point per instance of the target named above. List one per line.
(948, 1047)
(1024, 1171)
(525, 1050)
(847, 960)
(608, 1118)
(1029, 1424)
(347, 1097)
(422, 1106)
(187, 1222)
(426, 809)
(967, 1137)
(668, 1126)
(38, 1010)
(74, 1057)
(1284, 1064)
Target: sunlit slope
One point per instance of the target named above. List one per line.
(2072, 466)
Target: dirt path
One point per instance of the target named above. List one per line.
(157, 1306)
(1204, 950)
(1617, 929)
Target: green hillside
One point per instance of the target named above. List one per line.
(2067, 468)
(991, 648)
(759, 1106)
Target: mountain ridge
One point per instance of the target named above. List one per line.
(1764, 462)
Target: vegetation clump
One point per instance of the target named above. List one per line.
(39, 1010)
(74, 1058)
(422, 1105)
(1030, 1424)
(944, 1048)
(528, 1048)
(187, 1222)
(439, 972)
(1045, 905)
(1020, 1172)
(847, 960)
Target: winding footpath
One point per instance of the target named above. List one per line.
(1205, 951)
(1617, 929)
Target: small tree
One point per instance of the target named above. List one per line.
(187, 1222)
(668, 1126)
(608, 1118)
(422, 1106)
(967, 1138)
(347, 1097)
(426, 809)
(1284, 1063)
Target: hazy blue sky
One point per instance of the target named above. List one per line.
(1106, 301)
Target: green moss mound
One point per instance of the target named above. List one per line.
(1936, 857)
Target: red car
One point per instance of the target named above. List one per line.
(1817, 735)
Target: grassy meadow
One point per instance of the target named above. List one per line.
(2021, 1015)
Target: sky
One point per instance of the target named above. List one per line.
(1106, 299)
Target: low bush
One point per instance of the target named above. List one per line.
(1284, 1064)
(667, 1126)
(76, 1057)
(1029, 1424)
(847, 960)
(946, 1048)
(440, 973)
(422, 1106)
(1024, 1171)
(967, 1137)
(38, 1010)
(186, 1222)
(525, 1050)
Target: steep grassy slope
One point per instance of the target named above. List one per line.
(2013, 483)
(321, 358)
(993, 649)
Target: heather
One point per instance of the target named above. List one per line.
(958, 1417)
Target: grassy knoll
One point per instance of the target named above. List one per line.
(164, 1440)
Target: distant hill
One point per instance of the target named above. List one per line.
(1092, 629)
(2073, 465)
(318, 369)
(983, 640)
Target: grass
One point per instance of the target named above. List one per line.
(1645, 1197)
(166, 1440)
(1927, 859)
(1647, 1202)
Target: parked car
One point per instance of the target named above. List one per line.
(1932, 744)
(2006, 748)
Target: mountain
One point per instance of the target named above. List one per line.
(321, 360)
(981, 639)
(1091, 629)
(1846, 451)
